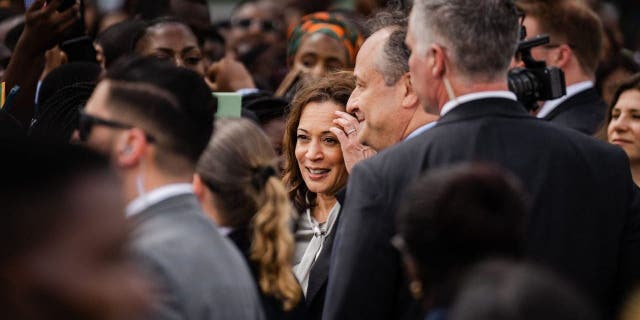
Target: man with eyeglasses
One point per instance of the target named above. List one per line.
(576, 38)
(154, 119)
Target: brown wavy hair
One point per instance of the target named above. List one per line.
(239, 166)
(334, 87)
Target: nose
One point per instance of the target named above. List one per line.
(620, 124)
(318, 71)
(314, 151)
(256, 26)
(179, 62)
(352, 104)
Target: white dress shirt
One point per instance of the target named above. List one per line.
(157, 195)
(420, 130)
(572, 90)
(476, 96)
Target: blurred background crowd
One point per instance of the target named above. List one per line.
(377, 166)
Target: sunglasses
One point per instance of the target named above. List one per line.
(87, 122)
(265, 25)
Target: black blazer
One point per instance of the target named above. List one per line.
(584, 112)
(585, 207)
(317, 288)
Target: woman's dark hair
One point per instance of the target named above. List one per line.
(501, 290)
(265, 106)
(239, 166)
(454, 217)
(632, 83)
(62, 92)
(337, 88)
(156, 22)
(120, 39)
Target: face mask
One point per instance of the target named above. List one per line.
(106, 6)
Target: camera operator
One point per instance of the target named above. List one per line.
(576, 39)
(585, 220)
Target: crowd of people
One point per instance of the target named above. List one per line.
(383, 165)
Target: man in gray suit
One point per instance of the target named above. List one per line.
(154, 137)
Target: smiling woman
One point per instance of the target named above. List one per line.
(315, 171)
(320, 43)
(624, 122)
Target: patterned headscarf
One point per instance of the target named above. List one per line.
(330, 25)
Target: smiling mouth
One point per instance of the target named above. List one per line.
(621, 141)
(318, 171)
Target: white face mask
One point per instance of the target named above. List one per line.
(106, 6)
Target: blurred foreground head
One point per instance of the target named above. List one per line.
(63, 236)
(454, 218)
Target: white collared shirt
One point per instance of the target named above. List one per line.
(225, 231)
(476, 96)
(420, 130)
(572, 90)
(157, 195)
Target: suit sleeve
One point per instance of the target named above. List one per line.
(629, 276)
(365, 275)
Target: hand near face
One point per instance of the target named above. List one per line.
(347, 133)
(45, 26)
(228, 75)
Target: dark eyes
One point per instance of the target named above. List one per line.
(330, 140)
(326, 140)
(193, 60)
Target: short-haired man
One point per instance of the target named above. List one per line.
(584, 221)
(154, 138)
(576, 34)
(386, 106)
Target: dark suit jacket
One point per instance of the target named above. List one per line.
(584, 220)
(198, 274)
(584, 112)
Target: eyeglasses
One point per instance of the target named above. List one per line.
(86, 123)
(265, 25)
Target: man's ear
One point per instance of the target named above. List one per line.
(563, 56)
(131, 148)
(198, 187)
(410, 99)
(437, 59)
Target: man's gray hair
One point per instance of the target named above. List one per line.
(481, 35)
(393, 61)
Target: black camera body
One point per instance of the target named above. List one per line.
(535, 82)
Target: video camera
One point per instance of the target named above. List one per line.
(535, 82)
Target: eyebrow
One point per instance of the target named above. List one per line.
(170, 50)
(185, 50)
(323, 132)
